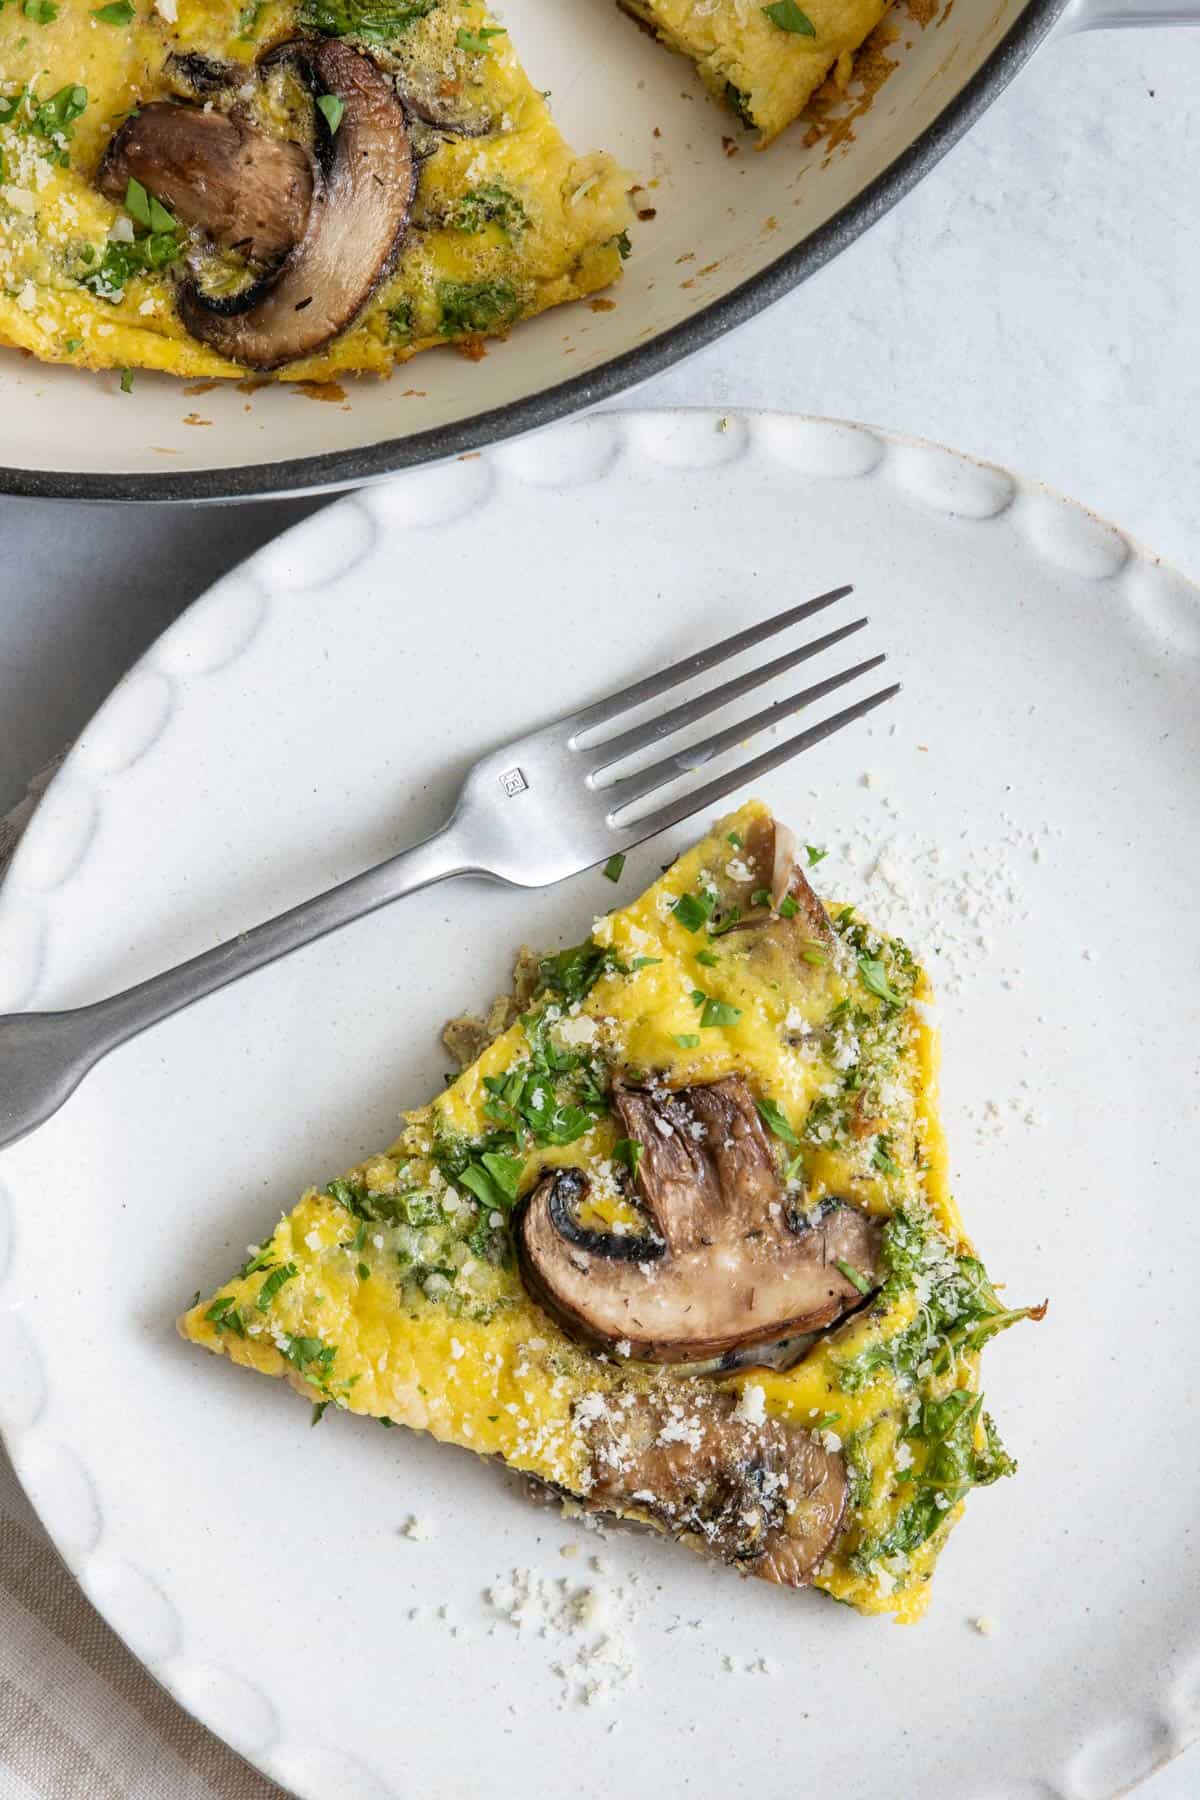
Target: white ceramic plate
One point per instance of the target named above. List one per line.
(1034, 796)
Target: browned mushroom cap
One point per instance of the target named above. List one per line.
(728, 1264)
(199, 76)
(248, 191)
(770, 855)
(359, 212)
(764, 1495)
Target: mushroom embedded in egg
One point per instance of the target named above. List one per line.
(359, 212)
(761, 1493)
(727, 1264)
(248, 191)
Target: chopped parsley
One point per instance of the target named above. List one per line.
(694, 910)
(400, 322)
(364, 1274)
(687, 1040)
(573, 973)
(629, 1151)
(42, 12)
(624, 247)
(275, 1280)
(120, 12)
(489, 204)
(776, 1119)
(614, 868)
(332, 110)
(707, 958)
(311, 1356)
(854, 1276)
(736, 840)
(479, 42)
(145, 210)
(718, 1012)
(375, 21)
(493, 1178)
(873, 975)
(554, 1097)
(471, 307)
(127, 381)
(225, 1315)
(318, 1412)
(788, 17)
(788, 907)
(814, 855)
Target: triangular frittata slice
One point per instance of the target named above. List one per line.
(678, 1242)
(763, 61)
(390, 157)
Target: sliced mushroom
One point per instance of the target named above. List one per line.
(770, 853)
(359, 212)
(762, 1494)
(202, 76)
(446, 112)
(728, 1265)
(249, 191)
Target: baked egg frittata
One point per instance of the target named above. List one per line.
(304, 188)
(764, 62)
(678, 1242)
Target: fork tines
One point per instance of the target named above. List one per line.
(623, 793)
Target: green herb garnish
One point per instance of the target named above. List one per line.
(814, 855)
(225, 1315)
(332, 109)
(489, 204)
(375, 21)
(874, 978)
(687, 1040)
(694, 910)
(776, 1119)
(787, 15)
(630, 1152)
(471, 307)
(273, 1283)
(479, 42)
(718, 1012)
(854, 1276)
(120, 12)
(613, 868)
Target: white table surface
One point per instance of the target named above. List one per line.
(1035, 302)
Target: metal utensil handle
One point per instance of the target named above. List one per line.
(1129, 15)
(44, 1056)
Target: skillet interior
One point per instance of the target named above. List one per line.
(732, 231)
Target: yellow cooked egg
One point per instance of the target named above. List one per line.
(678, 1242)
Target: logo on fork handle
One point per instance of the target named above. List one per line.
(513, 782)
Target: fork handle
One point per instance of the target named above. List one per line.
(44, 1056)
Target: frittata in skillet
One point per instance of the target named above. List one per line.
(302, 188)
(677, 1243)
(764, 62)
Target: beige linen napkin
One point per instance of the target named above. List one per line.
(80, 1719)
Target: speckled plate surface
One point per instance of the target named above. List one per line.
(1027, 812)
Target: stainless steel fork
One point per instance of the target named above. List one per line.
(544, 807)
